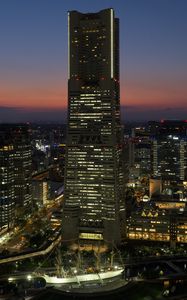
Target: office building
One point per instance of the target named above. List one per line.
(140, 149)
(166, 222)
(169, 152)
(7, 195)
(17, 135)
(94, 203)
(22, 167)
(40, 189)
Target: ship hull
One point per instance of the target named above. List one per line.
(82, 278)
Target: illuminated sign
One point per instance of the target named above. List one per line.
(91, 236)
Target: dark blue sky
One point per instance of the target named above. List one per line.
(33, 57)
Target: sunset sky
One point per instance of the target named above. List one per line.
(33, 57)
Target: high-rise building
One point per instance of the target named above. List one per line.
(39, 190)
(94, 203)
(15, 138)
(22, 166)
(169, 151)
(139, 153)
(7, 195)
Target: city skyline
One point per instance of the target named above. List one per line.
(34, 58)
(96, 206)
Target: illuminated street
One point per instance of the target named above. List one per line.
(17, 240)
(93, 150)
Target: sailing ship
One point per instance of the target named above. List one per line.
(99, 274)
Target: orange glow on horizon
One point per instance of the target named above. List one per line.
(54, 96)
(49, 97)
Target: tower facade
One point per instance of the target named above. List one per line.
(23, 166)
(16, 166)
(169, 151)
(7, 195)
(94, 204)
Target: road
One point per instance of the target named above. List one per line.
(16, 240)
(33, 253)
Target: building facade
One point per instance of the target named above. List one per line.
(159, 225)
(94, 204)
(16, 159)
(7, 195)
(169, 151)
(39, 192)
(22, 166)
(140, 150)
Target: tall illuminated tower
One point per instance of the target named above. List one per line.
(7, 195)
(94, 203)
(15, 173)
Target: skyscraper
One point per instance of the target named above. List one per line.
(7, 195)
(169, 151)
(94, 204)
(23, 166)
(16, 166)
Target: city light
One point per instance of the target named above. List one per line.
(29, 277)
(93, 203)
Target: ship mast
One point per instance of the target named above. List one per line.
(98, 258)
(112, 254)
(78, 264)
(59, 268)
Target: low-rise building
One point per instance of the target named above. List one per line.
(161, 222)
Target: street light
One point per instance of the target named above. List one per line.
(29, 277)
